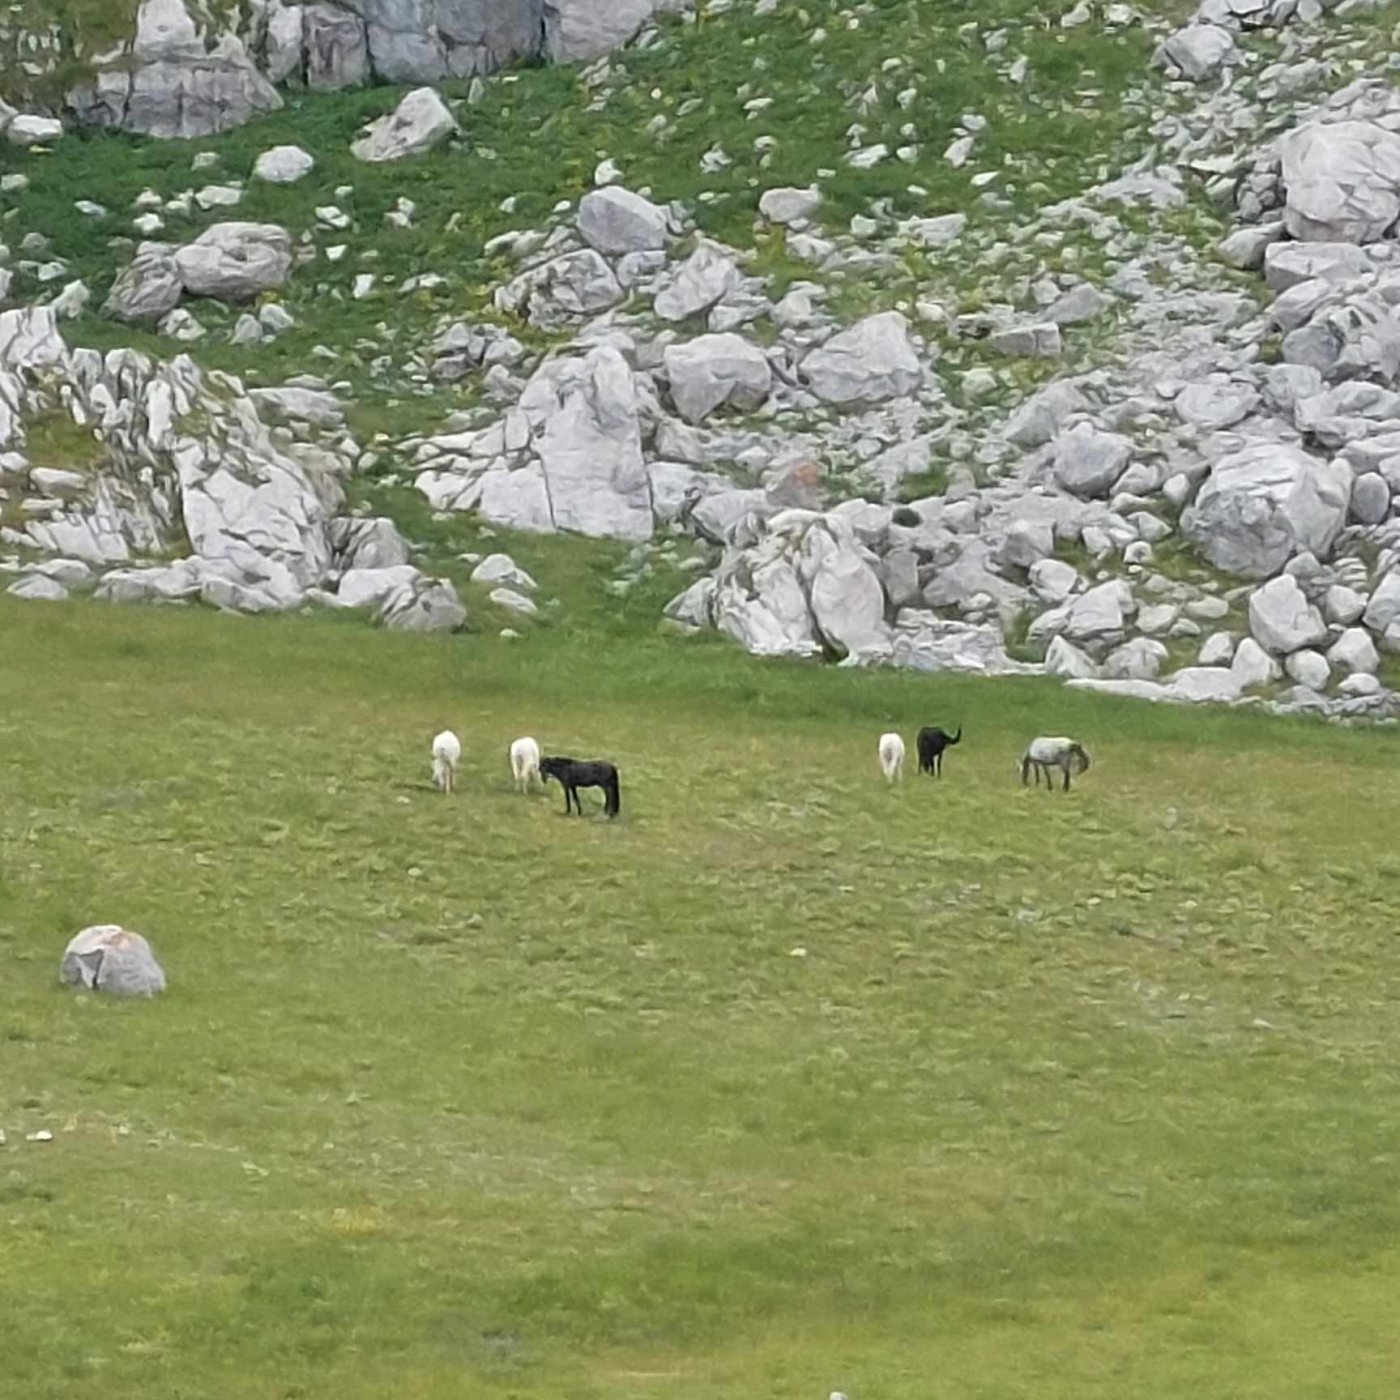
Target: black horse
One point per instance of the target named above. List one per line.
(572, 774)
(932, 742)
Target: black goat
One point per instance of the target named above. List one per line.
(932, 742)
(572, 774)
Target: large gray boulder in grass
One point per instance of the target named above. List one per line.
(108, 958)
(1263, 504)
(713, 371)
(1341, 180)
(149, 287)
(616, 221)
(870, 362)
(172, 81)
(236, 262)
(420, 122)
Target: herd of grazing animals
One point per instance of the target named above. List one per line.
(1041, 757)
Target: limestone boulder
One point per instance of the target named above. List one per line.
(420, 122)
(1264, 503)
(1342, 181)
(587, 29)
(1198, 52)
(614, 221)
(1088, 461)
(174, 80)
(150, 286)
(871, 362)
(590, 446)
(283, 165)
(715, 371)
(235, 262)
(705, 277)
(563, 291)
(1281, 618)
(109, 958)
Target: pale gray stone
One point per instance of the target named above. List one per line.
(713, 371)
(872, 361)
(283, 165)
(788, 204)
(706, 276)
(1088, 462)
(1309, 668)
(108, 958)
(236, 262)
(1198, 52)
(1262, 504)
(149, 287)
(1281, 618)
(1354, 651)
(1342, 181)
(1370, 498)
(420, 122)
(616, 221)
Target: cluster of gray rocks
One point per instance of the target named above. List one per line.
(196, 489)
(1208, 515)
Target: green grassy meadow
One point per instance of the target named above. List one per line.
(1064, 1097)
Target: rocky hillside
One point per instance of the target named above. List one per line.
(1056, 336)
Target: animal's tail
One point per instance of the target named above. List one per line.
(614, 796)
(956, 738)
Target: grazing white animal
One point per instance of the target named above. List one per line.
(1043, 754)
(525, 763)
(447, 751)
(891, 757)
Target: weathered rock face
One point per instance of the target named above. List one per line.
(1261, 505)
(871, 361)
(584, 29)
(174, 81)
(150, 287)
(1342, 181)
(614, 221)
(420, 122)
(590, 447)
(183, 463)
(108, 958)
(562, 291)
(1282, 619)
(235, 261)
(712, 371)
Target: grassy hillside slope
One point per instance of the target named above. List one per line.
(783, 1083)
(834, 78)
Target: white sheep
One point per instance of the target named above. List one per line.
(447, 752)
(891, 757)
(525, 763)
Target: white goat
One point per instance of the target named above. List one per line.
(1043, 754)
(525, 763)
(447, 751)
(891, 757)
